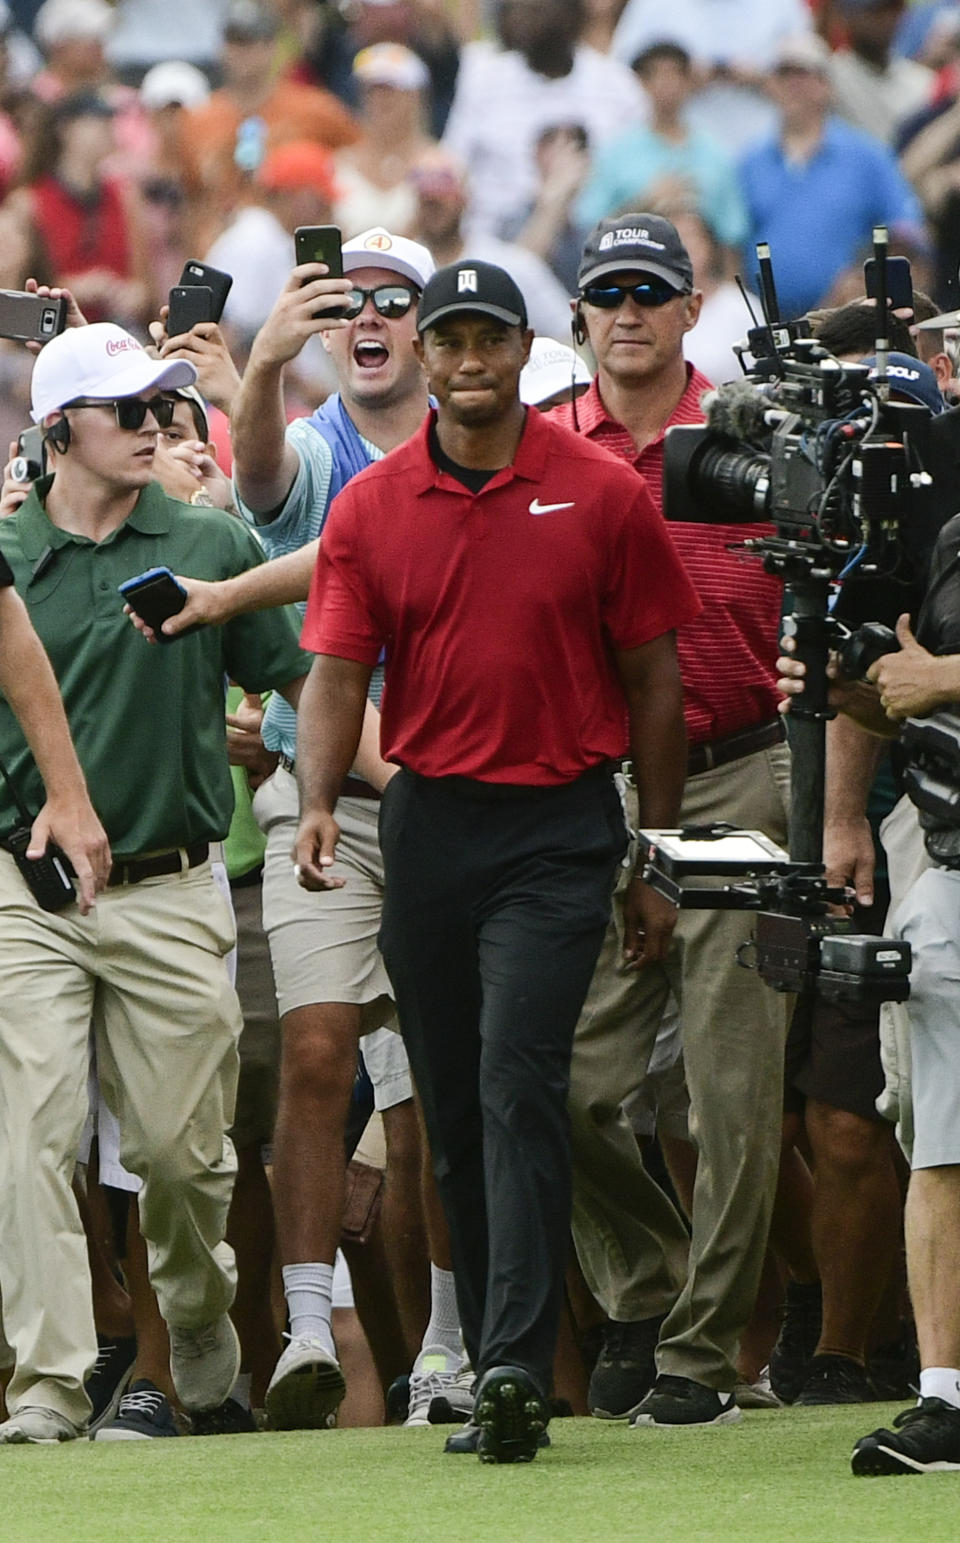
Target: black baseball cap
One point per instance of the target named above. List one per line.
(646, 242)
(471, 286)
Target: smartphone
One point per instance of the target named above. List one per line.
(321, 244)
(899, 282)
(219, 283)
(30, 461)
(189, 304)
(31, 318)
(154, 596)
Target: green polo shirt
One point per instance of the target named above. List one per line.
(147, 720)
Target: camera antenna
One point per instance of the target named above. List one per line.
(745, 297)
(882, 350)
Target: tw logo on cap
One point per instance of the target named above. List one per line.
(467, 281)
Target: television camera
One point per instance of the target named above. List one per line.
(821, 459)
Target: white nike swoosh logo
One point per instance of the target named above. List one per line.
(538, 508)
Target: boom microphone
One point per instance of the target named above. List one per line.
(737, 410)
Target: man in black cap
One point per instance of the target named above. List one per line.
(526, 593)
(636, 303)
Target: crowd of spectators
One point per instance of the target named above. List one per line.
(123, 152)
(139, 134)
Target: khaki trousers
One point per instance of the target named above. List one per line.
(631, 1243)
(146, 970)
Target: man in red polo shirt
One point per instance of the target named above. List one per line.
(526, 592)
(636, 302)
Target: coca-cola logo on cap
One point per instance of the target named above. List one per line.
(122, 346)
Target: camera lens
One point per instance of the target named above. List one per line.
(735, 483)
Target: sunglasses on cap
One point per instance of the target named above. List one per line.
(132, 410)
(651, 292)
(389, 300)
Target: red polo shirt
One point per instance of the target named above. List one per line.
(498, 610)
(727, 653)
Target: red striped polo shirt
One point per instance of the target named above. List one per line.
(727, 653)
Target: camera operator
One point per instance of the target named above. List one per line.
(636, 304)
(922, 677)
(840, 1341)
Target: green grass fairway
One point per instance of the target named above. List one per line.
(779, 1476)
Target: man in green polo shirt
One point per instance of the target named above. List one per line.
(146, 967)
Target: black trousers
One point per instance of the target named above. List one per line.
(495, 906)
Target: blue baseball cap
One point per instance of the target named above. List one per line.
(912, 378)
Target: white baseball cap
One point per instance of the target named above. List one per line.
(391, 64)
(550, 368)
(99, 361)
(378, 248)
(174, 82)
(60, 21)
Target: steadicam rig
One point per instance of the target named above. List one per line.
(815, 453)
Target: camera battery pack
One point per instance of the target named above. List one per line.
(857, 967)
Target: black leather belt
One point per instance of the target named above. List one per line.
(133, 869)
(732, 747)
(353, 787)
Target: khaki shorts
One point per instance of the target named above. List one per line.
(324, 946)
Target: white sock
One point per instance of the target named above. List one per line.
(308, 1289)
(941, 1382)
(241, 1389)
(444, 1326)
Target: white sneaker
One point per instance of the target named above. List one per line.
(204, 1363)
(306, 1388)
(439, 1375)
(757, 1395)
(42, 1427)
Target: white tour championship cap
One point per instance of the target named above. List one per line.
(100, 360)
(550, 368)
(377, 248)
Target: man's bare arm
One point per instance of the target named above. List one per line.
(853, 755)
(264, 464)
(30, 687)
(368, 763)
(212, 603)
(658, 743)
(331, 715)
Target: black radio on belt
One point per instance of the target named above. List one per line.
(48, 877)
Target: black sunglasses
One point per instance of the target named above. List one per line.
(652, 292)
(132, 410)
(390, 301)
